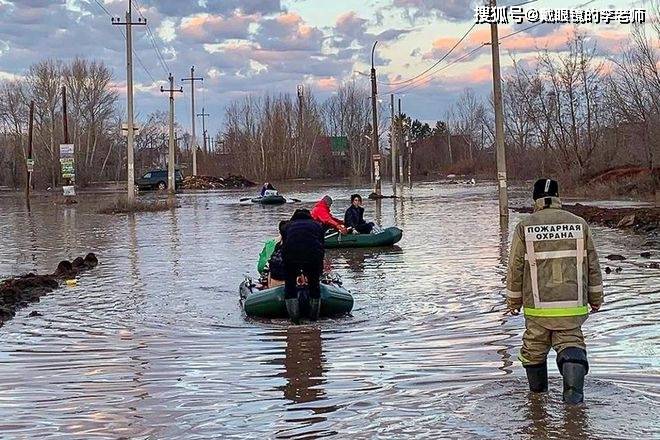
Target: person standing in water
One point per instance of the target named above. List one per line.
(303, 251)
(554, 275)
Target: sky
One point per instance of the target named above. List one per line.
(243, 47)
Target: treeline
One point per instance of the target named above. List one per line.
(92, 122)
(569, 114)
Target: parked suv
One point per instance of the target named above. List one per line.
(157, 179)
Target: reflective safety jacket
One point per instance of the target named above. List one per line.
(553, 267)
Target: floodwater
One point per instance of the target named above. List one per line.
(152, 344)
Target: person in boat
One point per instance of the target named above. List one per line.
(303, 251)
(268, 189)
(271, 264)
(354, 216)
(554, 276)
(322, 214)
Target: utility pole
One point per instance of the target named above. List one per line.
(204, 115)
(129, 92)
(65, 126)
(410, 158)
(393, 141)
(400, 143)
(171, 160)
(68, 175)
(499, 119)
(65, 122)
(301, 96)
(375, 150)
(29, 163)
(192, 80)
(451, 154)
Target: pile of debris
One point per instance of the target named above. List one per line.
(20, 291)
(637, 219)
(211, 182)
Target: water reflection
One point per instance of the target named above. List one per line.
(303, 364)
(536, 416)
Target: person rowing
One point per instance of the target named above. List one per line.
(322, 214)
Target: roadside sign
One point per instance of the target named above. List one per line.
(69, 190)
(66, 151)
(376, 156)
(68, 168)
(30, 165)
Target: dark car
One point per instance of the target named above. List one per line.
(157, 179)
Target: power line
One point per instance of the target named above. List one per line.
(435, 64)
(412, 79)
(429, 78)
(124, 35)
(152, 39)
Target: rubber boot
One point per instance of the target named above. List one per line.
(293, 309)
(314, 308)
(537, 376)
(573, 366)
(573, 382)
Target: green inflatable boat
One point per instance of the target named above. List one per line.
(387, 237)
(269, 303)
(274, 199)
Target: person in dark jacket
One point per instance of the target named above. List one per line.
(267, 187)
(354, 217)
(303, 250)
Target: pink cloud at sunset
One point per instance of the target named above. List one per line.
(326, 84)
(207, 27)
(607, 40)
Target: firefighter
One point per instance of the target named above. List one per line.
(553, 275)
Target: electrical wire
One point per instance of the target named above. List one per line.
(429, 78)
(152, 39)
(124, 35)
(394, 83)
(412, 79)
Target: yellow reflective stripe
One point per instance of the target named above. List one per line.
(596, 289)
(522, 359)
(557, 312)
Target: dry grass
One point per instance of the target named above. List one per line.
(638, 188)
(121, 206)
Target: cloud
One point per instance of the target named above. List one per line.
(179, 8)
(288, 31)
(205, 28)
(452, 10)
(326, 84)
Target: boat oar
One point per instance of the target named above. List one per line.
(292, 200)
(331, 235)
(244, 199)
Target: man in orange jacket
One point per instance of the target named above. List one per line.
(321, 213)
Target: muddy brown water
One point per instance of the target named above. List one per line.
(152, 344)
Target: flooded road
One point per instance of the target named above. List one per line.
(152, 344)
